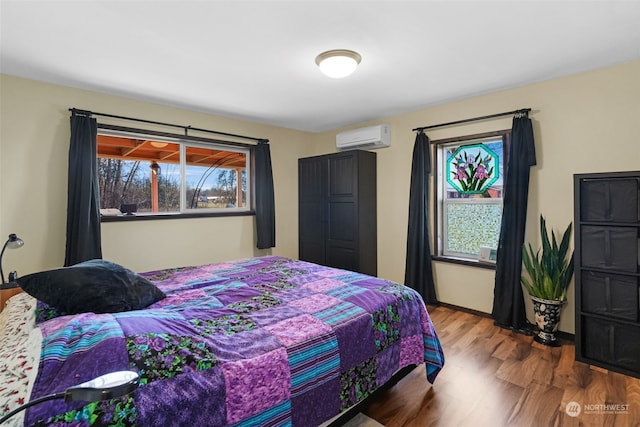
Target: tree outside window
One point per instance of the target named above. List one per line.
(156, 176)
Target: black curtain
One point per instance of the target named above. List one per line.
(418, 269)
(83, 202)
(508, 301)
(265, 204)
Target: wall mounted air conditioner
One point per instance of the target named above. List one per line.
(368, 138)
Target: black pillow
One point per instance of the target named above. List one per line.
(96, 286)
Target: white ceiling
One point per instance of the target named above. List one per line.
(254, 60)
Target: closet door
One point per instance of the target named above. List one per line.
(342, 233)
(312, 221)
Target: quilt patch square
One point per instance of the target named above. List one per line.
(354, 331)
(170, 278)
(182, 299)
(275, 286)
(204, 390)
(218, 267)
(122, 411)
(317, 405)
(274, 314)
(340, 314)
(369, 300)
(298, 329)
(330, 272)
(357, 383)
(386, 326)
(258, 302)
(411, 350)
(237, 293)
(276, 416)
(160, 356)
(242, 345)
(61, 343)
(387, 363)
(313, 363)
(146, 322)
(255, 385)
(228, 287)
(305, 278)
(287, 296)
(256, 280)
(112, 357)
(228, 325)
(315, 303)
(345, 292)
(324, 285)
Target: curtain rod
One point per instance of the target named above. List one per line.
(491, 116)
(76, 111)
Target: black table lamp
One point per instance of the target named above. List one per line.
(13, 242)
(109, 386)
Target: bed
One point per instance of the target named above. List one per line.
(262, 341)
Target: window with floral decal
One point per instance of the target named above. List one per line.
(469, 180)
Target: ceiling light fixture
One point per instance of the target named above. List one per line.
(338, 63)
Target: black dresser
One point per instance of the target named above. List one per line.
(337, 210)
(607, 273)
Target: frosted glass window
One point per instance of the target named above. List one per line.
(469, 181)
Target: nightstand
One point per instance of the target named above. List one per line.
(7, 290)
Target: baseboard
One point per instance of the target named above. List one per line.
(567, 336)
(465, 310)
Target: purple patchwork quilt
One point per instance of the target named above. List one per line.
(265, 341)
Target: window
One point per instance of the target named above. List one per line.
(153, 175)
(470, 174)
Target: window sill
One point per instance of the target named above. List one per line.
(160, 216)
(471, 263)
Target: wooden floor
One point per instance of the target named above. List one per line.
(494, 377)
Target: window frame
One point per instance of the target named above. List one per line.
(184, 141)
(439, 183)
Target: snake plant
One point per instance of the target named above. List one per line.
(549, 272)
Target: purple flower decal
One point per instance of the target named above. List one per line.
(481, 172)
(471, 168)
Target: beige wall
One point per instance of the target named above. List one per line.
(33, 184)
(583, 123)
(588, 122)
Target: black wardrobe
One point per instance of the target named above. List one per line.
(607, 242)
(337, 210)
